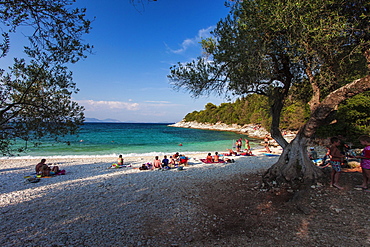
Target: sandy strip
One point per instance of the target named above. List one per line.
(95, 206)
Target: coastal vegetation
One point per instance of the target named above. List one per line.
(36, 90)
(351, 120)
(313, 50)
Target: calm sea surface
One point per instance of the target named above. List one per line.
(133, 139)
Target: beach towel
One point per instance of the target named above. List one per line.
(207, 162)
(247, 154)
(270, 154)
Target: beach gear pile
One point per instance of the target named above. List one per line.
(35, 178)
(115, 165)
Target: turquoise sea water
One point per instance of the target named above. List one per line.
(133, 139)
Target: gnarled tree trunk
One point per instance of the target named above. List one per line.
(294, 166)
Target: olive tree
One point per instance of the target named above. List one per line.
(267, 47)
(35, 91)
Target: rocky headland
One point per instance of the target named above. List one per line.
(252, 130)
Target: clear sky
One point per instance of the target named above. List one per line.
(134, 47)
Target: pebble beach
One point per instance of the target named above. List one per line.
(92, 205)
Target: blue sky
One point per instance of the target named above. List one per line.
(125, 78)
(134, 46)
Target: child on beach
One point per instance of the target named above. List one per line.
(365, 162)
(335, 161)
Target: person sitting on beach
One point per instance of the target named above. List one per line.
(172, 162)
(216, 158)
(209, 158)
(176, 156)
(44, 170)
(156, 163)
(183, 160)
(165, 161)
(246, 153)
(120, 160)
(39, 165)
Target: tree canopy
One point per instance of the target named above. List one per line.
(35, 92)
(320, 49)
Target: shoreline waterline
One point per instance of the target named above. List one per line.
(115, 155)
(110, 140)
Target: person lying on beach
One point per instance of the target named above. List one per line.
(247, 153)
(144, 167)
(227, 160)
(232, 152)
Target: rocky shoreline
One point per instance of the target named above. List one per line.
(251, 130)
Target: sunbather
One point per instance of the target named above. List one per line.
(44, 170)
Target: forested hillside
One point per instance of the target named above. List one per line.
(352, 117)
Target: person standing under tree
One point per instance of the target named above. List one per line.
(335, 161)
(365, 162)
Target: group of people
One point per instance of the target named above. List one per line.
(213, 159)
(217, 159)
(337, 158)
(45, 170)
(174, 161)
(239, 148)
(239, 145)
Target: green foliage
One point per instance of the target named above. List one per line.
(251, 109)
(352, 119)
(294, 115)
(36, 91)
(293, 52)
